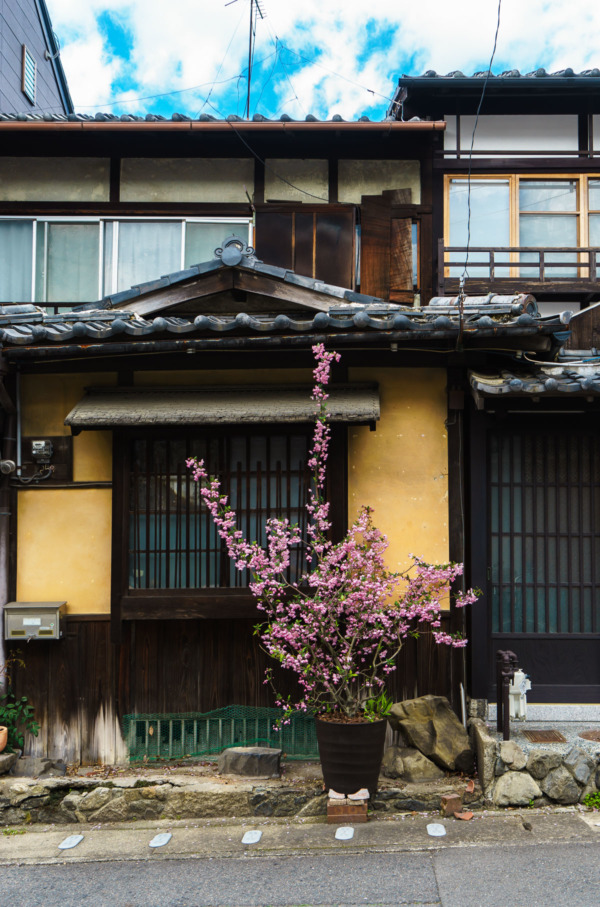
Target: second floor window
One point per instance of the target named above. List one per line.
(521, 212)
(69, 260)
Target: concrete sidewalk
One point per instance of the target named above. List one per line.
(213, 839)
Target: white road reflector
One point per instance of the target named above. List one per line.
(344, 833)
(160, 840)
(436, 830)
(71, 841)
(252, 837)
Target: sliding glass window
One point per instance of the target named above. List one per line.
(75, 260)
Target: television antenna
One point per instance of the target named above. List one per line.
(256, 10)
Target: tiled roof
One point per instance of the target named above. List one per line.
(232, 253)
(583, 380)
(510, 74)
(38, 327)
(174, 118)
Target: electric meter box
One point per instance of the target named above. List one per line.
(34, 620)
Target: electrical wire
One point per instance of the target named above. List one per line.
(486, 80)
(222, 63)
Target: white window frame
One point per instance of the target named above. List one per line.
(111, 284)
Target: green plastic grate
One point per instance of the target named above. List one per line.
(189, 734)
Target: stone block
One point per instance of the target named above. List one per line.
(560, 785)
(542, 762)
(93, 800)
(7, 760)
(485, 750)
(250, 761)
(580, 764)
(512, 755)
(515, 789)
(429, 724)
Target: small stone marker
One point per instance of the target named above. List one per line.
(161, 839)
(344, 833)
(71, 841)
(251, 761)
(436, 830)
(252, 837)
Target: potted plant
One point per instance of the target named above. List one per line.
(342, 624)
(16, 714)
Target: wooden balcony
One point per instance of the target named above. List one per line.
(510, 269)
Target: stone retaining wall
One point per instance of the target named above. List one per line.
(68, 800)
(510, 777)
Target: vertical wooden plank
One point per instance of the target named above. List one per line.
(120, 531)
(375, 218)
(401, 263)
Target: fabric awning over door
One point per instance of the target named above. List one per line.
(130, 407)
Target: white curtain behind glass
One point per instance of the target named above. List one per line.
(147, 251)
(201, 240)
(16, 242)
(72, 263)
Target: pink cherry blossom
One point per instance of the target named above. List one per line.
(341, 626)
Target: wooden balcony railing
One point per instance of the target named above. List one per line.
(506, 269)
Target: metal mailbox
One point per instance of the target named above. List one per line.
(34, 620)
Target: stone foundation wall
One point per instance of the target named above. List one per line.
(510, 777)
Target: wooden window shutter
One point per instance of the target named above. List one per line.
(386, 267)
(314, 243)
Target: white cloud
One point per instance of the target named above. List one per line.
(183, 43)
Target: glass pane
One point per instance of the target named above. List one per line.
(201, 240)
(594, 188)
(72, 263)
(548, 231)
(16, 245)
(594, 229)
(490, 222)
(548, 195)
(147, 251)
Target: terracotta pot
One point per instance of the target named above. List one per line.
(351, 754)
(3, 737)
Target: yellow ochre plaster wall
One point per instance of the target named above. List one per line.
(401, 469)
(63, 544)
(64, 534)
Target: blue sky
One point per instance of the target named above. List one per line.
(311, 56)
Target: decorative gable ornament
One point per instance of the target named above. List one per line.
(234, 251)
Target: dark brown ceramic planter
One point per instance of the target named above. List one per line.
(351, 754)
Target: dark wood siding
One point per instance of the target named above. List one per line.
(315, 241)
(82, 685)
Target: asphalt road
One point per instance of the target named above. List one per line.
(543, 876)
(516, 859)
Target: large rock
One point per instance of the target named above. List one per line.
(515, 789)
(7, 760)
(512, 755)
(542, 762)
(250, 761)
(580, 764)
(430, 725)
(485, 749)
(560, 785)
(410, 764)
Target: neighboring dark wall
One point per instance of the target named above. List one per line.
(82, 684)
(20, 24)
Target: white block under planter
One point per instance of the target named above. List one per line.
(251, 761)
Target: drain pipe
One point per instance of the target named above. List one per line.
(7, 466)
